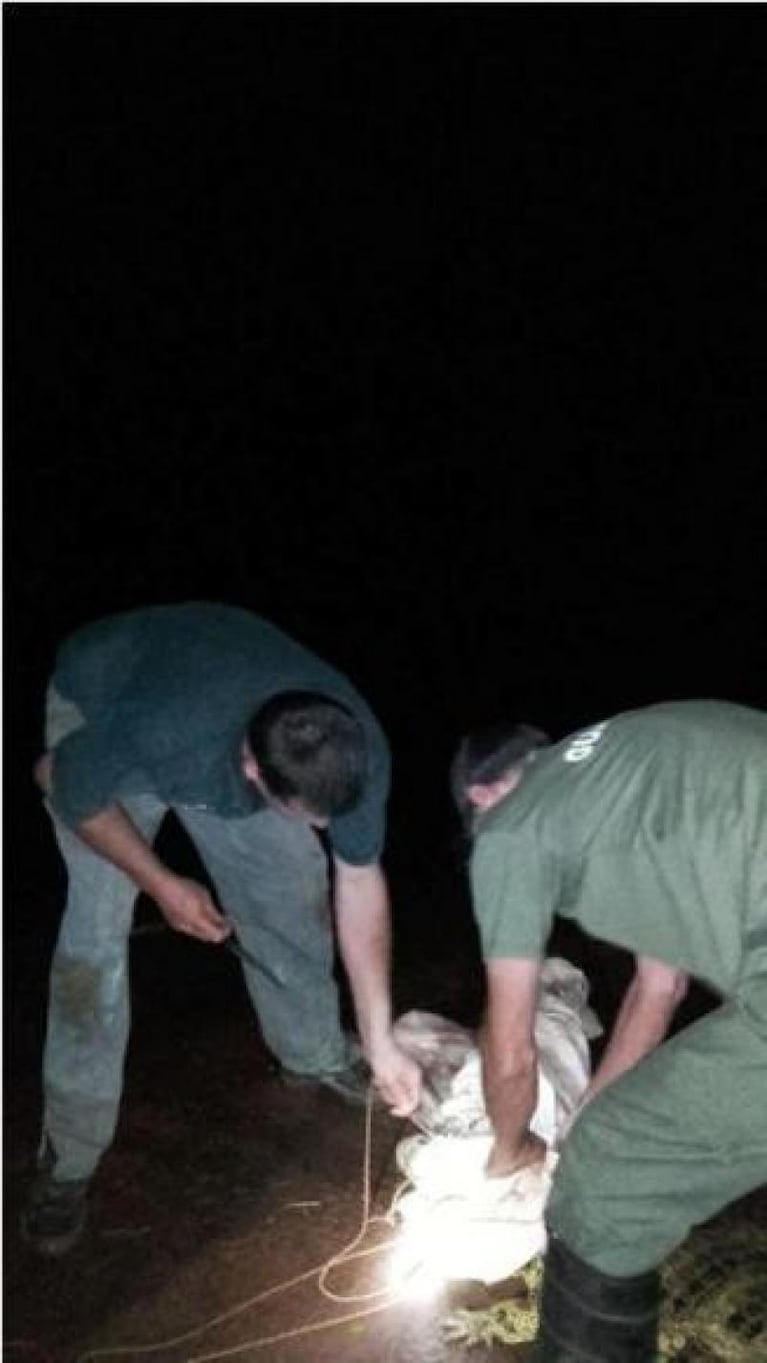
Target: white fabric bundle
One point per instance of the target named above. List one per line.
(456, 1222)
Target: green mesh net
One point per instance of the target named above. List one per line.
(715, 1296)
(714, 1301)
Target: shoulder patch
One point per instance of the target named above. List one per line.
(584, 743)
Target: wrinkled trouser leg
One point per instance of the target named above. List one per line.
(669, 1144)
(271, 877)
(89, 1010)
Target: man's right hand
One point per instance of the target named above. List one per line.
(501, 1162)
(188, 908)
(397, 1078)
(185, 905)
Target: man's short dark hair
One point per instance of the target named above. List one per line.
(488, 754)
(309, 748)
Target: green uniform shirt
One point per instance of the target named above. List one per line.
(166, 694)
(649, 830)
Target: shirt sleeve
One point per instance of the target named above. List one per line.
(512, 894)
(87, 773)
(358, 837)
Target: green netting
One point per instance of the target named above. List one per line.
(511, 1321)
(715, 1296)
(715, 1301)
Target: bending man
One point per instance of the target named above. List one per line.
(255, 744)
(650, 831)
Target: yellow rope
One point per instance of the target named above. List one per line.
(321, 1271)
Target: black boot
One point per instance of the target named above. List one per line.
(55, 1214)
(54, 1218)
(592, 1317)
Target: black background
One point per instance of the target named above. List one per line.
(435, 333)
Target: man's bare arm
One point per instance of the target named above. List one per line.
(187, 906)
(643, 1020)
(363, 922)
(510, 1062)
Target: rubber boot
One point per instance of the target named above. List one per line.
(592, 1317)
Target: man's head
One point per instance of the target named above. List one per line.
(307, 754)
(489, 764)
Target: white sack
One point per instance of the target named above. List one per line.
(456, 1220)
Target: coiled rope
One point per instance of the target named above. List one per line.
(384, 1297)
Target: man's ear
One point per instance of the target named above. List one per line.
(249, 765)
(481, 796)
(43, 772)
(485, 794)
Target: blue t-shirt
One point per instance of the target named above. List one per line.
(166, 694)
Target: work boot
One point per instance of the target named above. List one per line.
(351, 1083)
(592, 1317)
(55, 1215)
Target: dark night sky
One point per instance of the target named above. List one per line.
(434, 332)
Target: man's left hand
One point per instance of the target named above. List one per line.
(397, 1078)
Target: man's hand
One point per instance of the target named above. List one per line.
(185, 905)
(397, 1078)
(501, 1163)
(362, 918)
(188, 908)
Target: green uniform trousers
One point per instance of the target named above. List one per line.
(671, 1142)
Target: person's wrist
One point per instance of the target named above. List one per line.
(163, 886)
(378, 1048)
